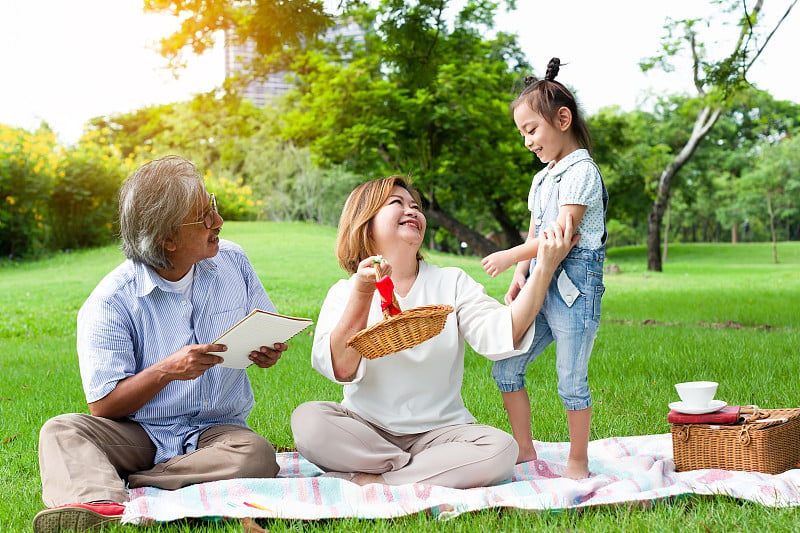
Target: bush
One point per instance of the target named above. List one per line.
(83, 202)
(234, 199)
(27, 162)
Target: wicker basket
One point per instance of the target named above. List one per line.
(756, 445)
(400, 332)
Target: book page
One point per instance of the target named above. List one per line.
(259, 328)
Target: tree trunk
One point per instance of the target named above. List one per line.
(653, 239)
(510, 230)
(666, 234)
(478, 244)
(772, 230)
(734, 233)
(702, 125)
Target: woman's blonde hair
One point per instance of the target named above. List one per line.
(354, 240)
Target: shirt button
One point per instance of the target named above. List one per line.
(205, 404)
(183, 302)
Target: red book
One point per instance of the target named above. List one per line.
(726, 415)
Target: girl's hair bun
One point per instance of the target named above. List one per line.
(552, 69)
(530, 80)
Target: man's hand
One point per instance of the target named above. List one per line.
(191, 361)
(265, 357)
(133, 392)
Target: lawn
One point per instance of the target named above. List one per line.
(718, 312)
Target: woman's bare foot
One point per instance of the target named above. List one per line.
(577, 469)
(365, 479)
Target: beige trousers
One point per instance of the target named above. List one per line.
(84, 458)
(458, 456)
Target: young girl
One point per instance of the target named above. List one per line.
(549, 121)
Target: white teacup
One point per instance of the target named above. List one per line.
(697, 394)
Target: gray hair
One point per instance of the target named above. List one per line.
(153, 203)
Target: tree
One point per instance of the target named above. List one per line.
(772, 187)
(716, 82)
(628, 146)
(254, 173)
(274, 26)
(426, 95)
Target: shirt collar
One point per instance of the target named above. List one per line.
(150, 280)
(559, 168)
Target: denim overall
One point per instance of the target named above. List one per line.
(570, 314)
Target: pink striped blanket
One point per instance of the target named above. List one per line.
(624, 469)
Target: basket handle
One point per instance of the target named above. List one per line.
(385, 288)
(752, 412)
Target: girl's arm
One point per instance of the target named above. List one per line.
(554, 245)
(498, 262)
(521, 272)
(577, 211)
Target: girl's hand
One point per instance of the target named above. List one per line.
(517, 283)
(497, 263)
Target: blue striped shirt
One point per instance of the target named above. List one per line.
(133, 319)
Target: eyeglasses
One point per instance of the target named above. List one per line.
(210, 218)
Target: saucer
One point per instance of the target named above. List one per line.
(713, 407)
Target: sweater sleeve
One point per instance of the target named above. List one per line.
(485, 323)
(332, 309)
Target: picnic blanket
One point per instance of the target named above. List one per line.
(624, 469)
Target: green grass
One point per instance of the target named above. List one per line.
(720, 312)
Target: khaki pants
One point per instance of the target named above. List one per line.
(84, 458)
(459, 456)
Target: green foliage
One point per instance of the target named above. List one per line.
(27, 163)
(234, 199)
(83, 202)
(254, 173)
(771, 189)
(707, 200)
(273, 25)
(423, 97)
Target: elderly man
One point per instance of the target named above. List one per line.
(163, 413)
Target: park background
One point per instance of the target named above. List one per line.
(712, 292)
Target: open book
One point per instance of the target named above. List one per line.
(259, 328)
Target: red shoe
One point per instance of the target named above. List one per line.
(77, 517)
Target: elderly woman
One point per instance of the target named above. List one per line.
(402, 419)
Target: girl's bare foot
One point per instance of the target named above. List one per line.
(365, 479)
(526, 454)
(577, 469)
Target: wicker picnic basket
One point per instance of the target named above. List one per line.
(763, 442)
(401, 331)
